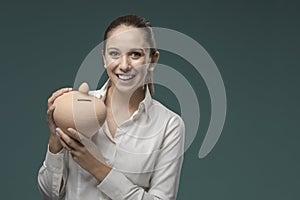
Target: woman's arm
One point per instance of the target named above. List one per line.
(165, 177)
(164, 184)
(52, 175)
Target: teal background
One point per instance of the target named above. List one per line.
(255, 45)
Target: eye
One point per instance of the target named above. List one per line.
(114, 54)
(135, 54)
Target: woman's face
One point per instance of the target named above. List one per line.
(127, 58)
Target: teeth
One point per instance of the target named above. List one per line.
(123, 77)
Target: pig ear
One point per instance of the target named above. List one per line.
(84, 88)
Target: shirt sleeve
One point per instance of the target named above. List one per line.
(51, 174)
(165, 177)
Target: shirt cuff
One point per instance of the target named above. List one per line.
(115, 185)
(54, 162)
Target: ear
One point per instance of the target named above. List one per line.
(154, 61)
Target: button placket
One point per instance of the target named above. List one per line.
(110, 161)
(120, 131)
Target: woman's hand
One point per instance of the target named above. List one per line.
(72, 142)
(54, 143)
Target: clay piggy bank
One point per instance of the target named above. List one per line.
(80, 111)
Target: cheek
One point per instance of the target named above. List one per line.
(144, 71)
(110, 62)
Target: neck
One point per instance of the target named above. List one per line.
(123, 104)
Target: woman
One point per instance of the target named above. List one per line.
(141, 141)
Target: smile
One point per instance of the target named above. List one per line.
(125, 77)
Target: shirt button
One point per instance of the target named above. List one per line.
(109, 163)
(134, 117)
(141, 106)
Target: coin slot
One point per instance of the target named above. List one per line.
(84, 100)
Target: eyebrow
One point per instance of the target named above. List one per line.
(133, 49)
(111, 48)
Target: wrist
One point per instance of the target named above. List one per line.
(101, 171)
(54, 144)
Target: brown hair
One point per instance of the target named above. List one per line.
(137, 22)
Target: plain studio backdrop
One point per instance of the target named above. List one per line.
(255, 45)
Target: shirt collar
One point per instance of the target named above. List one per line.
(144, 104)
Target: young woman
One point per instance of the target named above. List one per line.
(141, 141)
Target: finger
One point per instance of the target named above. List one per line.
(65, 141)
(65, 146)
(70, 142)
(62, 90)
(50, 119)
(50, 112)
(74, 134)
(57, 94)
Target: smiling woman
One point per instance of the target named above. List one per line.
(141, 141)
(127, 66)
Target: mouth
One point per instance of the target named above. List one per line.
(125, 77)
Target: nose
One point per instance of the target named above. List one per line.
(124, 63)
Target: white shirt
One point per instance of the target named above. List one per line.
(146, 156)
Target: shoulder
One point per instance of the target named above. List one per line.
(173, 136)
(171, 118)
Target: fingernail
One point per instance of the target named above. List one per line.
(69, 129)
(57, 129)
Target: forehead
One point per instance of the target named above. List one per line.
(124, 37)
